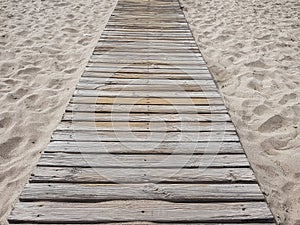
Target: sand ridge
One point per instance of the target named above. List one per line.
(44, 46)
(252, 49)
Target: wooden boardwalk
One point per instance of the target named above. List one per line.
(146, 138)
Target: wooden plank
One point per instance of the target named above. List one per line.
(146, 148)
(148, 223)
(147, 37)
(161, 109)
(139, 87)
(145, 210)
(150, 191)
(140, 99)
(155, 55)
(142, 161)
(204, 75)
(142, 175)
(146, 62)
(178, 97)
(157, 44)
(148, 67)
(145, 126)
(102, 81)
(154, 40)
(167, 58)
(144, 117)
(148, 71)
(148, 29)
(142, 136)
(148, 45)
(146, 33)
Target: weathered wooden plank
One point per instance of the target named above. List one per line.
(151, 55)
(204, 75)
(142, 27)
(147, 37)
(142, 161)
(137, 98)
(129, 50)
(136, 80)
(144, 136)
(96, 108)
(145, 126)
(156, 44)
(167, 58)
(146, 148)
(178, 97)
(108, 84)
(150, 191)
(146, 62)
(142, 88)
(148, 29)
(142, 175)
(154, 40)
(147, 33)
(145, 210)
(144, 117)
(165, 66)
(155, 48)
(148, 223)
(148, 71)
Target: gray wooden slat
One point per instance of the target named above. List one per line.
(153, 55)
(149, 191)
(175, 97)
(146, 70)
(147, 66)
(145, 33)
(139, 86)
(162, 45)
(167, 57)
(144, 117)
(145, 62)
(171, 77)
(142, 175)
(142, 161)
(145, 210)
(100, 97)
(149, 82)
(145, 126)
(96, 108)
(148, 223)
(146, 148)
(125, 136)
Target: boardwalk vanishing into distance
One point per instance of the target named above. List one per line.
(146, 138)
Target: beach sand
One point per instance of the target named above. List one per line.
(44, 47)
(253, 51)
(251, 47)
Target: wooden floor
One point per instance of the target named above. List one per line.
(146, 138)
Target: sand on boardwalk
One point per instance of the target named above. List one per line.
(44, 47)
(253, 51)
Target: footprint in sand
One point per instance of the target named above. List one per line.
(8, 146)
(272, 124)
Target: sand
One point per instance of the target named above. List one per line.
(44, 47)
(253, 51)
(251, 47)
